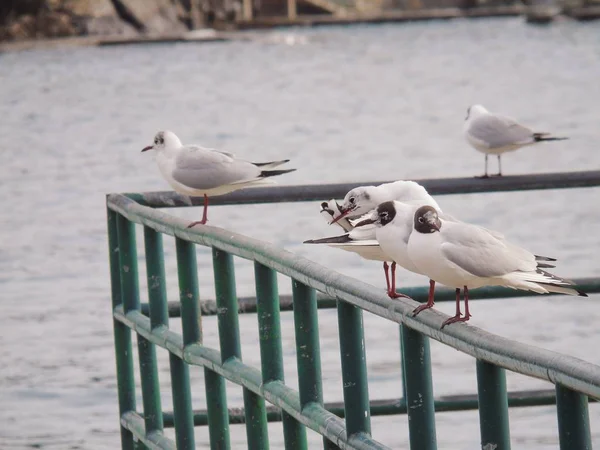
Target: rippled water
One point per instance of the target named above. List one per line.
(345, 104)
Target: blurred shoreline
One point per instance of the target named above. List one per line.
(69, 23)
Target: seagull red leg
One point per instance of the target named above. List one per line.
(457, 317)
(386, 269)
(392, 291)
(430, 301)
(204, 214)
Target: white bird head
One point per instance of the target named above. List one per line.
(427, 220)
(164, 140)
(357, 202)
(475, 111)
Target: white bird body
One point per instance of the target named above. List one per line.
(494, 134)
(458, 254)
(197, 171)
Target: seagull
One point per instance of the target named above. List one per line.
(466, 256)
(361, 239)
(363, 199)
(197, 171)
(494, 134)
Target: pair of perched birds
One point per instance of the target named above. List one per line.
(404, 226)
(401, 224)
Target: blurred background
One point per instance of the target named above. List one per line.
(345, 104)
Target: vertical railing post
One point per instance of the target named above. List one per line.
(354, 369)
(573, 419)
(122, 333)
(493, 406)
(159, 316)
(419, 390)
(308, 352)
(187, 272)
(229, 336)
(271, 352)
(403, 385)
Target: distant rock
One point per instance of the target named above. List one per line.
(151, 16)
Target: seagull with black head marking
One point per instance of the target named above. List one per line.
(494, 134)
(465, 256)
(361, 239)
(202, 172)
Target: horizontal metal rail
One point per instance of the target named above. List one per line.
(468, 402)
(567, 371)
(320, 192)
(418, 293)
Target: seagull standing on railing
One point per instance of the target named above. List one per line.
(462, 255)
(361, 239)
(493, 134)
(196, 171)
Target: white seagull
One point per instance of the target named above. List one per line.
(197, 171)
(466, 256)
(361, 239)
(494, 134)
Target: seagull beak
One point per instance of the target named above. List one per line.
(364, 222)
(150, 147)
(342, 215)
(435, 224)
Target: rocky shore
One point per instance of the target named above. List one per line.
(28, 23)
(39, 19)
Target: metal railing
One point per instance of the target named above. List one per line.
(344, 425)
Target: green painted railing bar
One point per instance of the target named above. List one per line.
(122, 333)
(306, 322)
(269, 327)
(158, 317)
(418, 293)
(182, 403)
(229, 336)
(157, 308)
(493, 406)
(130, 291)
(271, 352)
(419, 390)
(403, 398)
(256, 421)
(187, 271)
(392, 407)
(354, 369)
(573, 419)
(308, 349)
(217, 413)
(150, 385)
(229, 326)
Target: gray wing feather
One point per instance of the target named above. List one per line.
(499, 131)
(483, 254)
(201, 168)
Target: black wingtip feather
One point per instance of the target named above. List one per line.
(271, 162)
(330, 240)
(538, 137)
(543, 258)
(273, 173)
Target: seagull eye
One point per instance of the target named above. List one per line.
(352, 200)
(384, 215)
(421, 220)
(156, 141)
